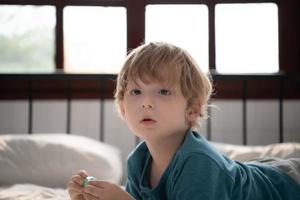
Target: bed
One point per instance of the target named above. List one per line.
(29, 163)
(38, 165)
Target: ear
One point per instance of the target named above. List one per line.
(122, 109)
(194, 111)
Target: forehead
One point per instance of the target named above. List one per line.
(157, 74)
(155, 83)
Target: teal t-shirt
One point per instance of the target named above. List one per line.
(198, 171)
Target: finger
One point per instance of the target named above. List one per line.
(100, 184)
(75, 194)
(88, 196)
(77, 179)
(83, 173)
(74, 186)
(93, 190)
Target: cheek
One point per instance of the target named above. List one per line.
(176, 110)
(130, 107)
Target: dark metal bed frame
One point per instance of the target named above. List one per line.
(280, 78)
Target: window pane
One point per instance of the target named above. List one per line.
(247, 38)
(27, 38)
(94, 39)
(182, 25)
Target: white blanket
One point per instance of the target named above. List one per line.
(246, 153)
(32, 192)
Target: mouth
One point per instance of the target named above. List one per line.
(147, 121)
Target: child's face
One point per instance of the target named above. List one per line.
(155, 110)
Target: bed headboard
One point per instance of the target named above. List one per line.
(99, 87)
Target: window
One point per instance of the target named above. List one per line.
(182, 25)
(94, 36)
(27, 44)
(247, 38)
(94, 39)
(214, 32)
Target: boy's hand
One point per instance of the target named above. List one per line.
(102, 190)
(74, 186)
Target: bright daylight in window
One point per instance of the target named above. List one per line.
(27, 38)
(94, 39)
(247, 38)
(182, 25)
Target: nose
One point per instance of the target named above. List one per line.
(150, 106)
(147, 103)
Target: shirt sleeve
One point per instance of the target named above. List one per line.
(131, 189)
(200, 177)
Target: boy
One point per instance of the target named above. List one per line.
(161, 94)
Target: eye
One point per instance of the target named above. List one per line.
(165, 92)
(135, 92)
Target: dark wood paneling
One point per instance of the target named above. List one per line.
(85, 86)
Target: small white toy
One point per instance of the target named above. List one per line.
(87, 179)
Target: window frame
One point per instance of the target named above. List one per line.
(288, 20)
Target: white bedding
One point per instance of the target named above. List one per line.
(38, 166)
(51, 159)
(32, 192)
(246, 153)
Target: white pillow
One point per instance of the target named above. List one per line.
(51, 159)
(245, 153)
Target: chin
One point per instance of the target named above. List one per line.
(145, 134)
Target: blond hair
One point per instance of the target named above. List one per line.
(164, 62)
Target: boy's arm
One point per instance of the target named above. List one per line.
(201, 178)
(132, 190)
(104, 190)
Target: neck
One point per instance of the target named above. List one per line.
(162, 153)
